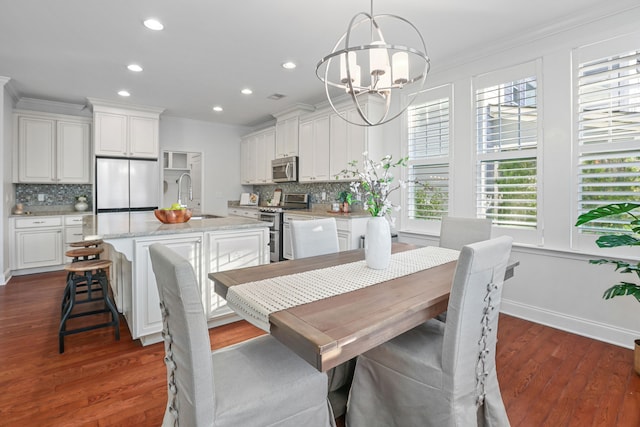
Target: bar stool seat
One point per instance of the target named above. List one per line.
(82, 254)
(93, 274)
(86, 243)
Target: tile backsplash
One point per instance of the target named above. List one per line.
(53, 194)
(331, 190)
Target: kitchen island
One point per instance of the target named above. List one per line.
(210, 244)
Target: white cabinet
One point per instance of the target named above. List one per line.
(257, 151)
(145, 317)
(52, 149)
(121, 132)
(244, 212)
(41, 241)
(37, 242)
(314, 149)
(228, 251)
(287, 137)
(72, 232)
(348, 142)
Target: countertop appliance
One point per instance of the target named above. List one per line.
(284, 169)
(125, 185)
(274, 215)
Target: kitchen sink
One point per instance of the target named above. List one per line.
(206, 216)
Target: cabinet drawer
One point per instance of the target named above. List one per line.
(39, 222)
(73, 220)
(72, 234)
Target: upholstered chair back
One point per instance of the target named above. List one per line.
(314, 237)
(456, 232)
(186, 340)
(470, 334)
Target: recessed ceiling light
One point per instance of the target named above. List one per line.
(217, 109)
(246, 91)
(134, 67)
(153, 24)
(289, 65)
(124, 93)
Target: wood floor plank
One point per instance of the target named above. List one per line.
(547, 377)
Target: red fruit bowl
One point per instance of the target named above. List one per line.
(173, 216)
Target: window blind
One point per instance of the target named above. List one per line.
(608, 110)
(428, 133)
(507, 139)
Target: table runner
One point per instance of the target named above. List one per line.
(254, 301)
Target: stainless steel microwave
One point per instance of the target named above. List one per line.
(284, 169)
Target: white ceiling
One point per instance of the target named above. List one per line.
(69, 50)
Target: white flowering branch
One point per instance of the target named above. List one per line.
(374, 182)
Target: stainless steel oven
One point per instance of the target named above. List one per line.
(275, 234)
(274, 215)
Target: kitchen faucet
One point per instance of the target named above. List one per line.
(179, 181)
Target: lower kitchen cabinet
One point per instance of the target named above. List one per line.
(134, 282)
(38, 248)
(145, 317)
(228, 251)
(38, 243)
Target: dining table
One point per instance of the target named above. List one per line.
(330, 330)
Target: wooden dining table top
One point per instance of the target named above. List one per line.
(333, 330)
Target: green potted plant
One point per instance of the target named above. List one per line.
(345, 198)
(622, 211)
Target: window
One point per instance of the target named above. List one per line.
(608, 134)
(428, 141)
(506, 148)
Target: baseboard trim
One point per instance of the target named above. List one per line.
(587, 328)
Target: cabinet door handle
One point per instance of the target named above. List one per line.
(38, 222)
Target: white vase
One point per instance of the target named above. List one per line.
(81, 206)
(377, 243)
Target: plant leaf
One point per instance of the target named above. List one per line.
(614, 240)
(621, 289)
(604, 211)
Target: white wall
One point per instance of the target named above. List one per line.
(220, 145)
(554, 283)
(6, 189)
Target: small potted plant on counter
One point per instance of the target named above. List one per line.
(345, 198)
(622, 212)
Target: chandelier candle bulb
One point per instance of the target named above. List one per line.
(400, 62)
(353, 67)
(378, 60)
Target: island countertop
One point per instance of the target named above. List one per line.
(137, 224)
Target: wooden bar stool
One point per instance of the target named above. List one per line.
(80, 254)
(89, 274)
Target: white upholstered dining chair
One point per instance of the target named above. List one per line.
(258, 382)
(441, 374)
(320, 237)
(314, 237)
(455, 232)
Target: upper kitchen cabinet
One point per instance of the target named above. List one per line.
(287, 128)
(349, 141)
(52, 148)
(123, 131)
(257, 151)
(314, 149)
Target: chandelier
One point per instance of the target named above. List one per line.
(365, 64)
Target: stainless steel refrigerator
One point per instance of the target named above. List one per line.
(125, 185)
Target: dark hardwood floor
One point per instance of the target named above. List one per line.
(548, 377)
